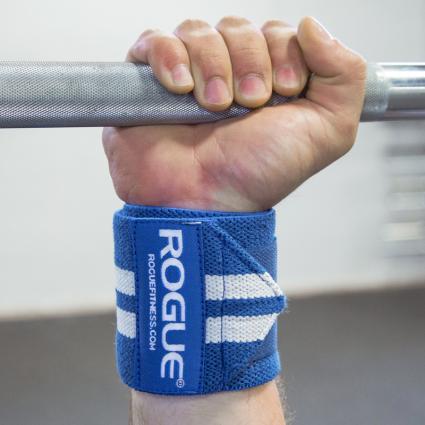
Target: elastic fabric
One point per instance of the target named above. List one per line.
(197, 299)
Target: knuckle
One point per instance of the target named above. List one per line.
(242, 29)
(204, 37)
(149, 33)
(278, 37)
(284, 45)
(162, 44)
(248, 59)
(282, 42)
(210, 61)
(232, 21)
(354, 64)
(158, 45)
(144, 41)
(167, 51)
(205, 54)
(192, 26)
(273, 25)
(248, 51)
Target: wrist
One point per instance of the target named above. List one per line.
(226, 277)
(250, 407)
(226, 200)
(231, 207)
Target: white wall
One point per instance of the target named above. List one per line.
(56, 196)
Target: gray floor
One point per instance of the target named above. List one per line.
(349, 360)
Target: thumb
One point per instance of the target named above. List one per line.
(338, 73)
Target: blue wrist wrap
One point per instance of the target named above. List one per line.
(197, 300)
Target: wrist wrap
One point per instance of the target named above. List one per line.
(197, 300)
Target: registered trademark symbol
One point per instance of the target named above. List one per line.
(180, 383)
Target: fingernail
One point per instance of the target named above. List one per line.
(181, 75)
(252, 86)
(216, 91)
(287, 76)
(322, 31)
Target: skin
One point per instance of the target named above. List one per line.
(245, 164)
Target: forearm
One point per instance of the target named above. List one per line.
(255, 406)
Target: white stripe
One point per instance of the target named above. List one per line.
(126, 323)
(125, 281)
(241, 286)
(238, 328)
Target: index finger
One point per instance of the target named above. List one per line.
(168, 57)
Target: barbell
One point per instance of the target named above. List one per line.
(66, 94)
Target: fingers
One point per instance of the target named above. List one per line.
(238, 62)
(251, 63)
(290, 72)
(339, 74)
(167, 56)
(210, 62)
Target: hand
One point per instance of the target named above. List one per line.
(249, 163)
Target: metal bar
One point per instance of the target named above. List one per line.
(395, 91)
(123, 94)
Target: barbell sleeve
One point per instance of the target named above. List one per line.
(62, 94)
